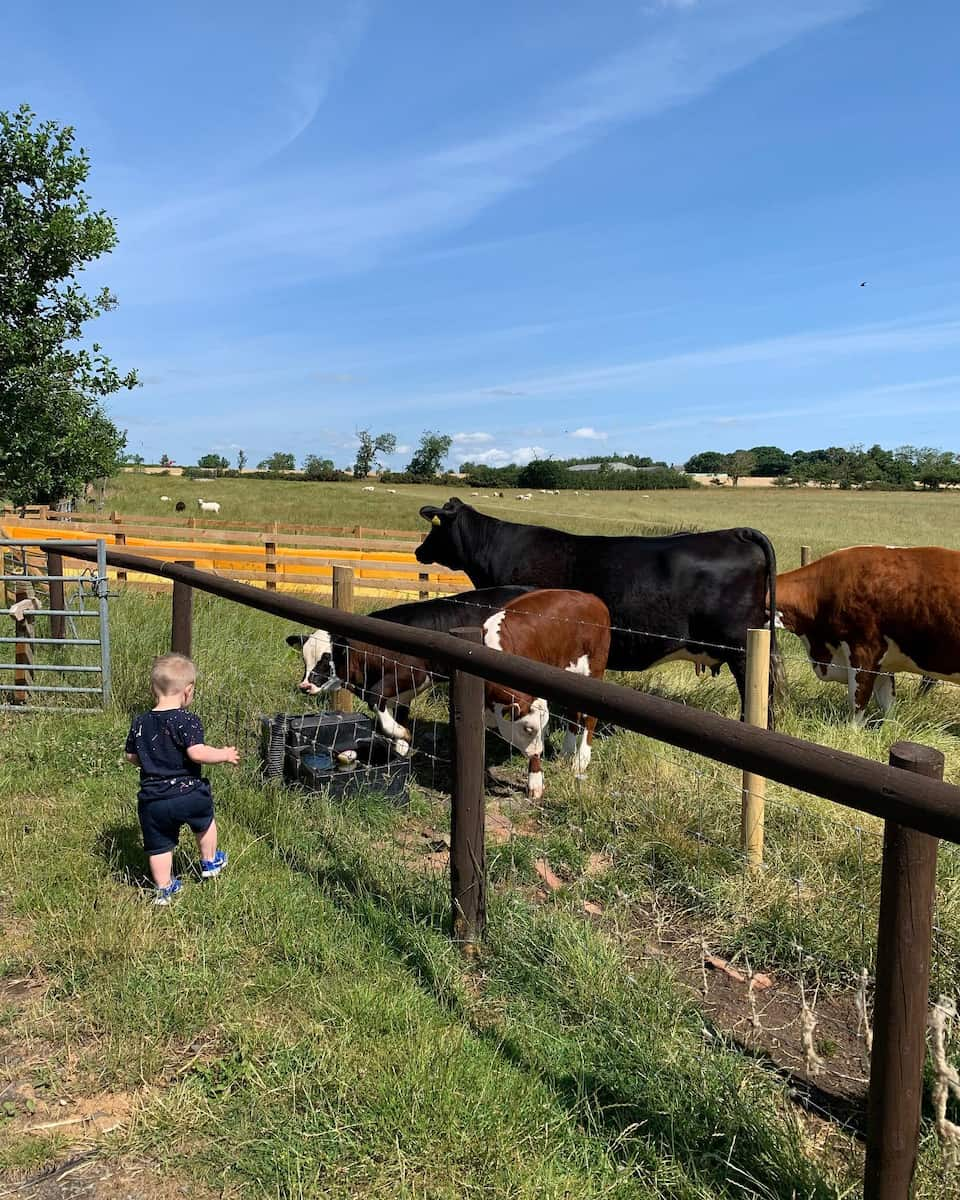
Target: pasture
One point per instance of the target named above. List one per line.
(303, 1028)
(821, 519)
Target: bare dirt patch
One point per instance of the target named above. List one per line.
(765, 1018)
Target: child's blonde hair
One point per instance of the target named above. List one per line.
(171, 673)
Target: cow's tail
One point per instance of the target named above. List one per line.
(777, 677)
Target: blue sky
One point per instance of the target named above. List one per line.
(541, 228)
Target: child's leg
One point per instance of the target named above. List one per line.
(207, 842)
(161, 866)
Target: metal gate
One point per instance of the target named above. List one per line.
(75, 612)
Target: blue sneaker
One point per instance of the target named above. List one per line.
(166, 894)
(216, 864)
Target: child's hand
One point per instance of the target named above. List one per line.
(231, 755)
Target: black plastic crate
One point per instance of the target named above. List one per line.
(303, 749)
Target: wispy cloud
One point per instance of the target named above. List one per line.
(471, 439)
(305, 222)
(800, 349)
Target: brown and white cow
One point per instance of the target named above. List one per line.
(868, 611)
(560, 628)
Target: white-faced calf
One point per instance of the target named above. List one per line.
(559, 628)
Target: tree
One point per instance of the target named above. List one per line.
(709, 462)
(740, 463)
(428, 456)
(241, 460)
(166, 461)
(543, 473)
(278, 461)
(215, 462)
(771, 460)
(318, 468)
(54, 436)
(136, 460)
(936, 467)
(370, 450)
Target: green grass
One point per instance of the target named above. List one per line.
(307, 1011)
(822, 519)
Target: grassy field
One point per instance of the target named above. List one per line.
(821, 519)
(302, 1026)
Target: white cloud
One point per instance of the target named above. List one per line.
(594, 435)
(471, 439)
(403, 449)
(500, 458)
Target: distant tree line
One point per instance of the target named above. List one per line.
(836, 466)
(553, 474)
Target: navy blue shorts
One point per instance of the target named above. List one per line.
(162, 819)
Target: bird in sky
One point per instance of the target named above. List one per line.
(863, 283)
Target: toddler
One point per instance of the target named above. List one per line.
(167, 745)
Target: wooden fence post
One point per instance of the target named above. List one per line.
(23, 651)
(907, 885)
(804, 555)
(181, 624)
(468, 869)
(343, 599)
(120, 539)
(358, 534)
(58, 625)
(756, 707)
(270, 549)
(424, 578)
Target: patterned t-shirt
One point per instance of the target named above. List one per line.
(160, 741)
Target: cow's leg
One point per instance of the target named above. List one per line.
(862, 677)
(391, 724)
(885, 690)
(581, 759)
(534, 777)
(738, 668)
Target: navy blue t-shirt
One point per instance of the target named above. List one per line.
(160, 741)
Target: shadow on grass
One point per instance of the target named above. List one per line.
(121, 848)
(406, 919)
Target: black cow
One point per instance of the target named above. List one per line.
(689, 597)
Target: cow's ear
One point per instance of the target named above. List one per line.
(453, 505)
(297, 640)
(431, 513)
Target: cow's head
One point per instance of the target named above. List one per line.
(520, 720)
(442, 543)
(522, 724)
(320, 671)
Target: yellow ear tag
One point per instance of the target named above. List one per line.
(434, 520)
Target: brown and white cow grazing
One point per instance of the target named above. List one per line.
(560, 628)
(868, 611)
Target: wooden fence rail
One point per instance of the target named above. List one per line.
(183, 524)
(909, 795)
(375, 571)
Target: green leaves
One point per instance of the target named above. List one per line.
(54, 435)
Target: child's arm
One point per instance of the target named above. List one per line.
(132, 758)
(200, 753)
